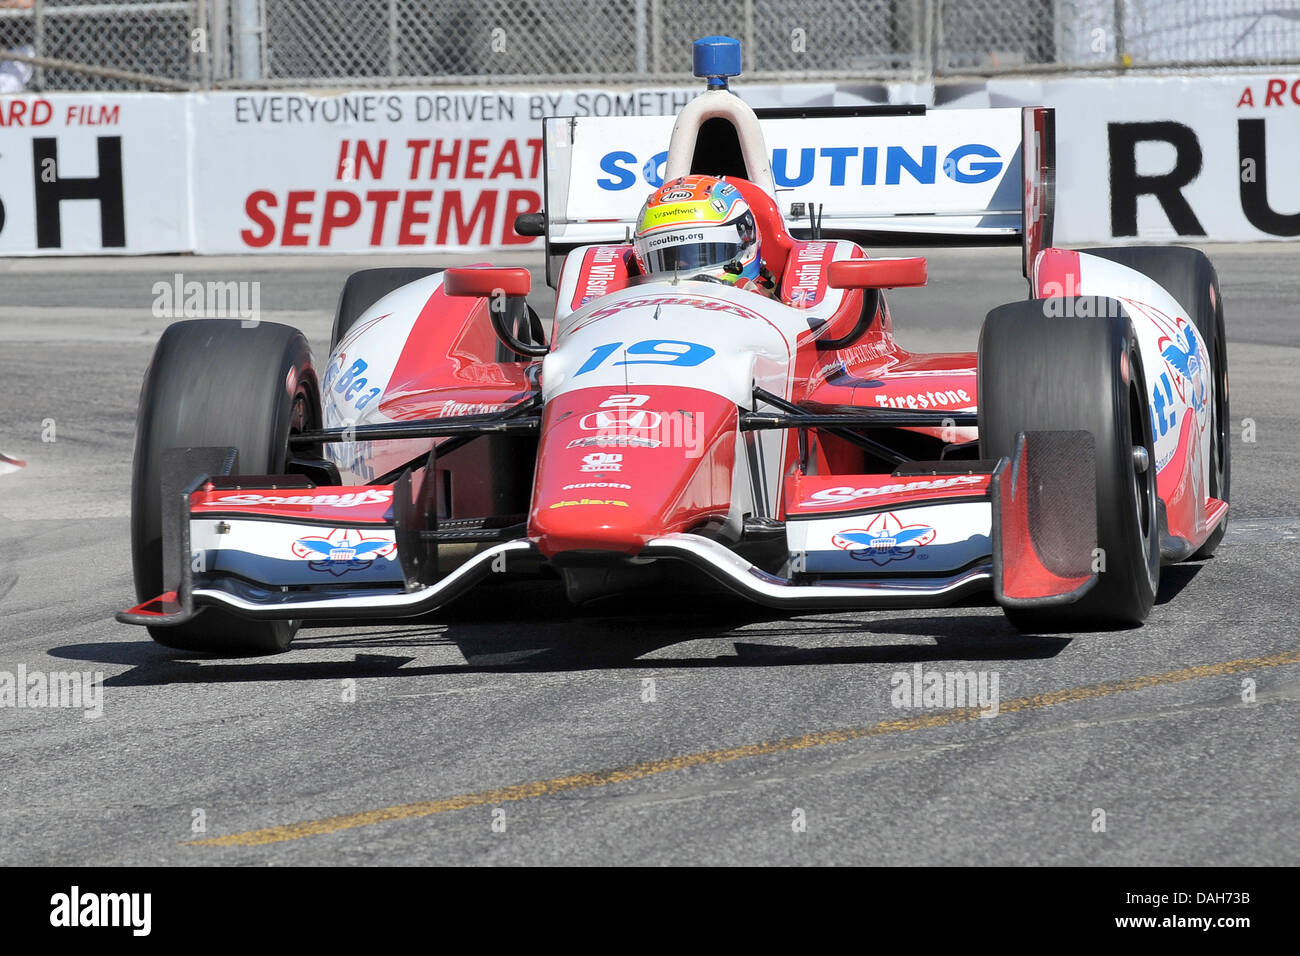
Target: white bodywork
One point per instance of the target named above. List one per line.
(751, 341)
(934, 538)
(719, 104)
(376, 341)
(1160, 322)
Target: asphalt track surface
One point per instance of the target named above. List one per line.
(515, 707)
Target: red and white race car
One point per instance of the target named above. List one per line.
(781, 446)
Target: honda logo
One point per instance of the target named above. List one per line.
(621, 420)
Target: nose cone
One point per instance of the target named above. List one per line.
(590, 524)
(617, 469)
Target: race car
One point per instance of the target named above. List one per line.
(720, 401)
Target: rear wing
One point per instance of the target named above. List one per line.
(877, 173)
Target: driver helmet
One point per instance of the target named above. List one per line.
(698, 227)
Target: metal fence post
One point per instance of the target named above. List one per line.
(916, 30)
(217, 48)
(38, 41)
(201, 59)
(1119, 32)
(656, 37)
(249, 40)
(394, 59)
(641, 37)
(926, 14)
(750, 48)
(935, 35)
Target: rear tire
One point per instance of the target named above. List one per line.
(212, 382)
(1190, 277)
(363, 289)
(1036, 372)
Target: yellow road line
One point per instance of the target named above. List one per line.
(601, 778)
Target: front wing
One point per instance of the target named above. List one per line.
(928, 535)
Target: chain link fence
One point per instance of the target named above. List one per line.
(205, 44)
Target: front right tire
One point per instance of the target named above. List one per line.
(1074, 364)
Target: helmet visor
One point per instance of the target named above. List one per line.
(691, 256)
(688, 250)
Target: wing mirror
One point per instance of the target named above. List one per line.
(506, 290)
(877, 273)
(870, 275)
(485, 283)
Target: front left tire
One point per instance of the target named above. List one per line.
(215, 382)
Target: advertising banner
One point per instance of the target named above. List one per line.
(1139, 159)
(951, 172)
(394, 171)
(380, 172)
(1157, 159)
(82, 174)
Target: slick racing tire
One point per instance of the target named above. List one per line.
(213, 382)
(1084, 372)
(1189, 276)
(363, 289)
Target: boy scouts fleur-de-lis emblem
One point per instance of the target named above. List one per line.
(342, 550)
